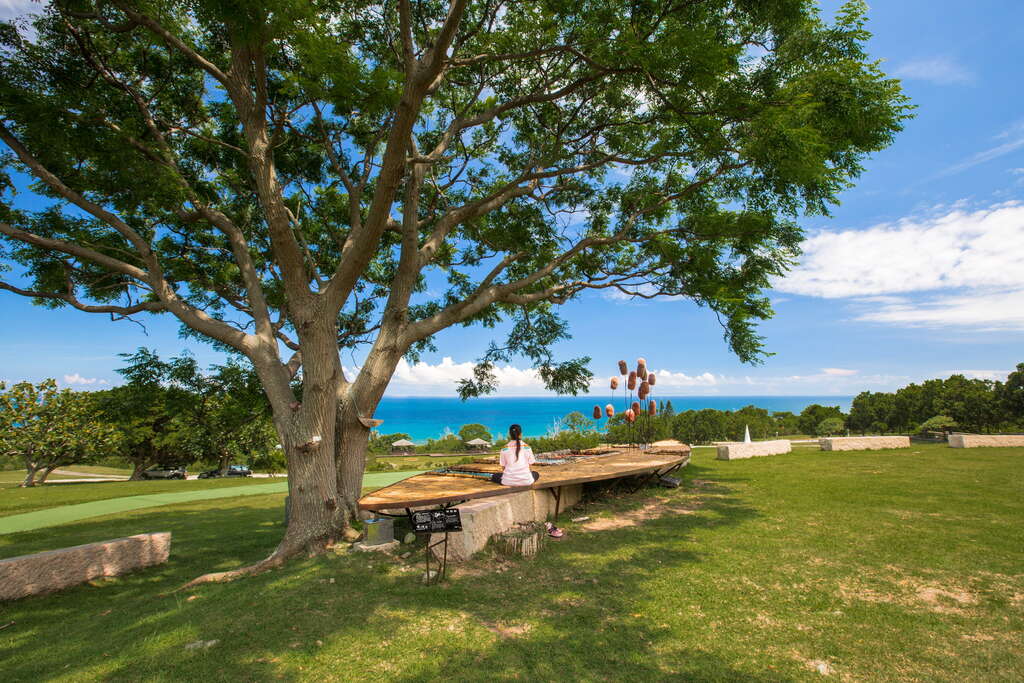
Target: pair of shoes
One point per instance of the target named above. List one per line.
(553, 531)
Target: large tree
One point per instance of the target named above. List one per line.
(289, 179)
(172, 412)
(46, 428)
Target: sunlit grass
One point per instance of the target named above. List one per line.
(885, 565)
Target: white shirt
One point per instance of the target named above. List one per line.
(516, 472)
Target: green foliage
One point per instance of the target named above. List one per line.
(564, 440)
(830, 426)
(171, 412)
(381, 443)
(475, 431)
(449, 443)
(47, 428)
(939, 423)
(575, 431)
(707, 425)
(975, 405)
(578, 422)
(1011, 394)
(163, 186)
(812, 416)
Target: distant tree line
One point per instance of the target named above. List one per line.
(955, 403)
(707, 425)
(168, 412)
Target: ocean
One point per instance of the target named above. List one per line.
(425, 418)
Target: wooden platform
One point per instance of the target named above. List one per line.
(438, 489)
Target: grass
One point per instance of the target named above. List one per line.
(15, 500)
(426, 462)
(884, 565)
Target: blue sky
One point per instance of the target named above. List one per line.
(919, 273)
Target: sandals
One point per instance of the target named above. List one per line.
(554, 531)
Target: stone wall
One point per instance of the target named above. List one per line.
(738, 450)
(485, 517)
(985, 440)
(58, 569)
(864, 443)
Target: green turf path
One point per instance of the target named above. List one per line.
(72, 513)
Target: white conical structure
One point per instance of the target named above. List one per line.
(746, 434)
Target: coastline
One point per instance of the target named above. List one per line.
(428, 417)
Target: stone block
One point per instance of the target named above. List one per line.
(58, 569)
(544, 502)
(985, 440)
(486, 517)
(388, 547)
(481, 519)
(739, 450)
(864, 443)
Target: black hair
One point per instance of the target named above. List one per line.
(516, 432)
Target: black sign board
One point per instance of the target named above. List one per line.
(434, 521)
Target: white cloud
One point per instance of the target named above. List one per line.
(965, 268)
(981, 311)
(1014, 140)
(439, 379)
(667, 378)
(447, 372)
(982, 248)
(937, 70)
(13, 8)
(77, 379)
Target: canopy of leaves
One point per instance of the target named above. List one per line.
(412, 165)
(48, 428)
(172, 412)
(830, 426)
(939, 423)
(475, 431)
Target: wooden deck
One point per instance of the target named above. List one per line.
(437, 489)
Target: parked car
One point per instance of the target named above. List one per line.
(165, 472)
(232, 471)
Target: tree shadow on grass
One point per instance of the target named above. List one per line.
(574, 612)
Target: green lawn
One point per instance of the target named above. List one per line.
(15, 500)
(898, 565)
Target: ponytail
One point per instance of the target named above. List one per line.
(516, 432)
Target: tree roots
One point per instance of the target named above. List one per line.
(277, 559)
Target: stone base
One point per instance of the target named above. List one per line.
(388, 547)
(985, 440)
(739, 450)
(485, 517)
(58, 569)
(864, 443)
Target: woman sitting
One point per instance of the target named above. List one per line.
(515, 460)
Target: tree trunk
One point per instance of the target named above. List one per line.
(353, 439)
(46, 473)
(316, 519)
(138, 468)
(30, 477)
(223, 462)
